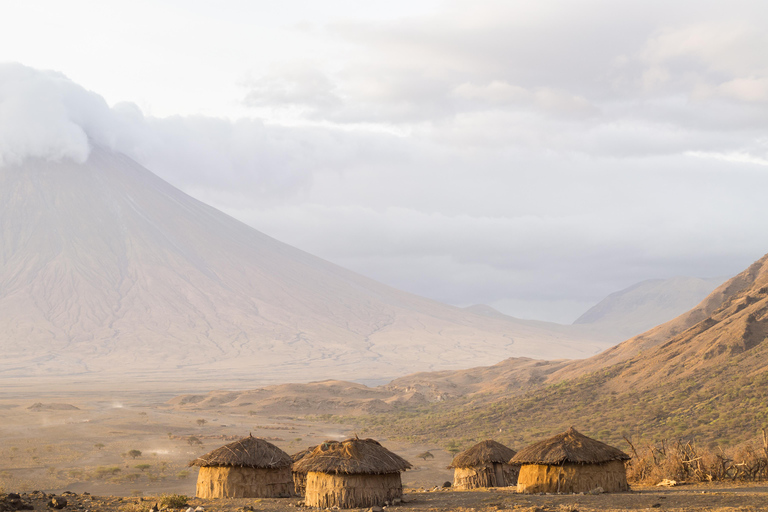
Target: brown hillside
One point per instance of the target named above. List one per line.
(703, 375)
(749, 281)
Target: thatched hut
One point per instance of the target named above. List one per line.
(484, 465)
(354, 473)
(248, 468)
(300, 477)
(571, 462)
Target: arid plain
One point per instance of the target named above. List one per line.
(88, 443)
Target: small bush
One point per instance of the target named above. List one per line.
(173, 500)
(134, 507)
(102, 472)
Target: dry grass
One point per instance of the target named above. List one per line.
(686, 461)
(250, 452)
(352, 456)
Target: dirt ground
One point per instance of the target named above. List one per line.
(89, 443)
(72, 445)
(721, 498)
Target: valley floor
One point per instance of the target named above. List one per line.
(710, 497)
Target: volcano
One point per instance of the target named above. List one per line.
(110, 274)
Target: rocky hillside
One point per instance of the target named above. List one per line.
(703, 375)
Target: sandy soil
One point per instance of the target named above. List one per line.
(83, 443)
(722, 498)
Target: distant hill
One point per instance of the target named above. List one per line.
(110, 275)
(647, 304)
(628, 312)
(702, 375)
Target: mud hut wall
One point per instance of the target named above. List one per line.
(570, 478)
(351, 491)
(483, 476)
(511, 474)
(240, 482)
(299, 483)
(474, 477)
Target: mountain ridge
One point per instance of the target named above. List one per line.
(106, 270)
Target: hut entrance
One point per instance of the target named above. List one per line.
(499, 471)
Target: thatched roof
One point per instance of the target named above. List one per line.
(250, 452)
(353, 457)
(483, 453)
(569, 447)
(296, 457)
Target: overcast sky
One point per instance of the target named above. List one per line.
(534, 156)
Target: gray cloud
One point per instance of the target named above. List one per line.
(531, 155)
(43, 114)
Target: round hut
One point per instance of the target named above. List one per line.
(355, 473)
(484, 465)
(571, 462)
(248, 468)
(300, 477)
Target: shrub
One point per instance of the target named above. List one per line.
(134, 507)
(173, 500)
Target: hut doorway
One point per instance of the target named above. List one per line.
(498, 469)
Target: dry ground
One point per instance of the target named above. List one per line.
(721, 498)
(81, 443)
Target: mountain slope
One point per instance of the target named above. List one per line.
(108, 272)
(647, 304)
(703, 375)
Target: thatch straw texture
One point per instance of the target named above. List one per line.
(486, 464)
(351, 474)
(300, 477)
(249, 452)
(483, 453)
(485, 475)
(303, 453)
(239, 482)
(570, 447)
(351, 457)
(351, 491)
(573, 478)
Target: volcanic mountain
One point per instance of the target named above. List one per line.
(109, 273)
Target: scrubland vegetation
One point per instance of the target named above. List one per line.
(685, 461)
(725, 408)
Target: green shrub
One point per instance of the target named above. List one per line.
(173, 500)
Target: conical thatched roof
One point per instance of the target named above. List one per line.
(569, 447)
(483, 453)
(296, 457)
(353, 456)
(250, 452)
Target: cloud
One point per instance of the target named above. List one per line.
(298, 84)
(507, 152)
(45, 115)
